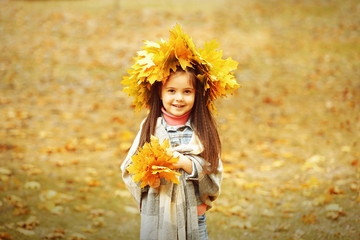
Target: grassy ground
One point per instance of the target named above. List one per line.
(290, 134)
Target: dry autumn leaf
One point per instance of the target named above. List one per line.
(5, 236)
(55, 235)
(82, 207)
(5, 171)
(153, 162)
(279, 227)
(20, 208)
(77, 236)
(354, 186)
(298, 235)
(32, 185)
(98, 222)
(309, 219)
(334, 211)
(131, 210)
(322, 199)
(96, 213)
(91, 182)
(335, 190)
(241, 224)
(28, 224)
(25, 231)
(122, 193)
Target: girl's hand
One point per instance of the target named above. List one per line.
(184, 162)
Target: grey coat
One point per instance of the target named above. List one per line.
(170, 212)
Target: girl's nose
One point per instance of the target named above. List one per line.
(179, 97)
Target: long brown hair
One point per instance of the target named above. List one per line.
(202, 121)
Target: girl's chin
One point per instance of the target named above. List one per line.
(177, 111)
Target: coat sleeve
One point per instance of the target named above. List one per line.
(134, 188)
(209, 184)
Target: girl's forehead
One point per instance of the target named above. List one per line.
(182, 79)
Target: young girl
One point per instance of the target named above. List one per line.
(176, 83)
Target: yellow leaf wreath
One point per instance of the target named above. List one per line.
(152, 162)
(157, 59)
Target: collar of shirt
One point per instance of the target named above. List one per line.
(175, 128)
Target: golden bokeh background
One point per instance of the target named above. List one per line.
(290, 134)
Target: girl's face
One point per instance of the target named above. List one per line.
(178, 93)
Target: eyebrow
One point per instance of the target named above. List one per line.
(184, 88)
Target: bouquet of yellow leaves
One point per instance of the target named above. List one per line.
(153, 162)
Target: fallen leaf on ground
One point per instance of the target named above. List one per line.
(298, 235)
(25, 231)
(279, 228)
(354, 186)
(335, 190)
(20, 208)
(98, 222)
(122, 193)
(5, 236)
(322, 199)
(267, 213)
(5, 171)
(131, 210)
(334, 211)
(82, 207)
(241, 224)
(96, 213)
(77, 236)
(28, 224)
(32, 185)
(56, 235)
(309, 219)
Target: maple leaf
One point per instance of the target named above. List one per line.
(5, 236)
(309, 219)
(153, 162)
(29, 224)
(32, 185)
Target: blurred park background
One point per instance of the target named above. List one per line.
(290, 134)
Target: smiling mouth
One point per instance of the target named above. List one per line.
(178, 106)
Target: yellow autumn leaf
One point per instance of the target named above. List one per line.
(32, 185)
(98, 222)
(82, 207)
(167, 173)
(334, 211)
(335, 190)
(96, 213)
(56, 234)
(322, 199)
(5, 171)
(15, 201)
(309, 219)
(77, 236)
(152, 163)
(241, 224)
(131, 210)
(25, 231)
(5, 236)
(28, 224)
